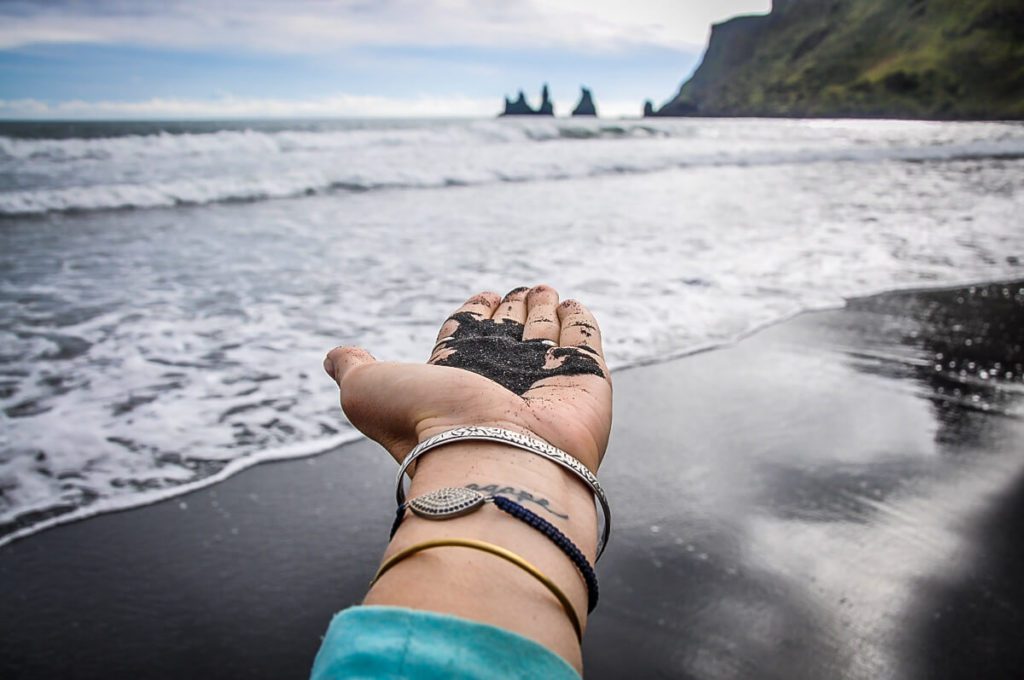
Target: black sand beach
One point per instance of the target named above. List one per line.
(838, 496)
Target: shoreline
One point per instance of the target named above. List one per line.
(806, 500)
(700, 349)
(285, 453)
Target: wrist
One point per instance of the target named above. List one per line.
(481, 587)
(542, 486)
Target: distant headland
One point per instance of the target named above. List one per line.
(913, 59)
(862, 59)
(520, 107)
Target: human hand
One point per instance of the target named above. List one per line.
(523, 362)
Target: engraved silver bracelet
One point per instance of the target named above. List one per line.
(526, 443)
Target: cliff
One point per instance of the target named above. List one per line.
(941, 59)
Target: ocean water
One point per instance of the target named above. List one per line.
(168, 290)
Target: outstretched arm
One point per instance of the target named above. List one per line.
(523, 363)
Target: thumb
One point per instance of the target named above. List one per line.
(368, 400)
(341, 360)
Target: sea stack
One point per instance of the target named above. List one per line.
(586, 106)
(546, 107)
(520, 107)
(648, 109)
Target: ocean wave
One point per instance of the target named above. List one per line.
(29, 521)
(148, 351)
(248, 141)
(233, 141)
(326, 175)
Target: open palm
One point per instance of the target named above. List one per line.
(523, 362)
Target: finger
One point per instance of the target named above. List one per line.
(579, 327)
(341, 360)
(512, 307)
(541, 316)
(481, 305)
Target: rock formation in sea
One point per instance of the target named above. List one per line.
(586, 106)
(648, 108)
(546, 107)
(520, 107)
(936, 59)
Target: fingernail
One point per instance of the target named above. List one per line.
(514, 291)
(329, 367)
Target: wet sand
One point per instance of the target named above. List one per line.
(818, 500)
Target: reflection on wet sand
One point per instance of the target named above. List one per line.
(831, 499)
(964, 350)
(817, 501)
(966, 617)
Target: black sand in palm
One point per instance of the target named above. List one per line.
(497, 351)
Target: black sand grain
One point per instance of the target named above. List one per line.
(498, 352)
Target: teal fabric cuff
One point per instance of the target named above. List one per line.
(394, 642)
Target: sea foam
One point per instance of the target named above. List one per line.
(164, 170)
(146, 352)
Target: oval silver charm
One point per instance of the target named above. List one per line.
(447, 503)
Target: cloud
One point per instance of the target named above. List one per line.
(341, 105)
(227, 107)
(310, 26)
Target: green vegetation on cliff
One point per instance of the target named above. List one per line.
(944, 59)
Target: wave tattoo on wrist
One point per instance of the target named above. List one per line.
(519, 495)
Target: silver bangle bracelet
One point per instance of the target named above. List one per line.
(520, 441)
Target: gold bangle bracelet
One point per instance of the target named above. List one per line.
(495, 550)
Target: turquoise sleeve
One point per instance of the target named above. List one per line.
(394, 642)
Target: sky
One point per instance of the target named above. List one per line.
(396, 58)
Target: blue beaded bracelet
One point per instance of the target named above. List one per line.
(454, 502)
